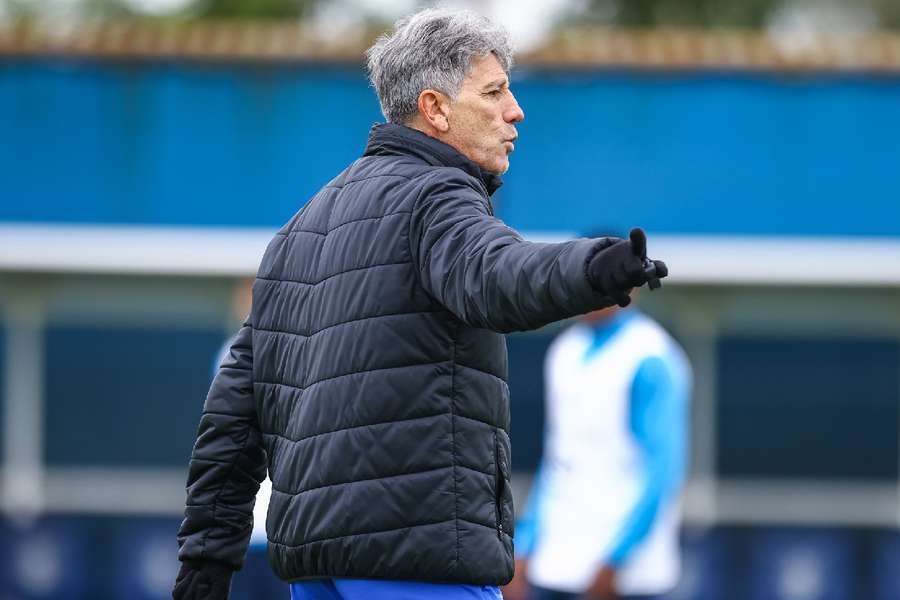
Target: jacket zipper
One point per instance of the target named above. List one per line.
(498, 482)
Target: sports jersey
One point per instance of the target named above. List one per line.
(606, 491)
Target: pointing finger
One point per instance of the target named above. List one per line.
(638, 242)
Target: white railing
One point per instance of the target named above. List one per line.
(199, 251)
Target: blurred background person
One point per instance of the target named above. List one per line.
(602, 519)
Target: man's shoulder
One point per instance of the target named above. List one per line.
(388, 170)
(389, 184)
(407, 167)
(372, 167)
(440, 183)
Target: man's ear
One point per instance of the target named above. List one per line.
(435, 109)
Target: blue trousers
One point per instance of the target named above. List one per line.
(374, 589)
(537, 593)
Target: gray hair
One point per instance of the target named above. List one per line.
(431, 49)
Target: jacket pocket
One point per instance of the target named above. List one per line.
(502, 493)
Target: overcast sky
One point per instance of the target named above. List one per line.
(793, 25)
(527, 21)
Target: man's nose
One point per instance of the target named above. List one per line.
(513, 112)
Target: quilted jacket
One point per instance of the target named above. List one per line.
(370, 377)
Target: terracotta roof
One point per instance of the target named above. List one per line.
(653, 49)
(670, 49)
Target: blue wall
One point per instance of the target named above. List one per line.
(142, 387)
(166, 143)
(794, 407)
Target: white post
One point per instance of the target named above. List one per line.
(699, 317)
(23, 406)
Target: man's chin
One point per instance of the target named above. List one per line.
(497, 169)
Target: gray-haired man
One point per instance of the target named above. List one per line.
(370, 376)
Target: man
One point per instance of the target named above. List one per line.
(602, 517)
(370, 375)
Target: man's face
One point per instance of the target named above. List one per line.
(483, 117)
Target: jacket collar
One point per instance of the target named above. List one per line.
(394, 139)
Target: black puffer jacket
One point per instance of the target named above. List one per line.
(372, 372)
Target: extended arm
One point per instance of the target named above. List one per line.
(486, 274)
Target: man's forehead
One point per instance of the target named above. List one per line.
(487, 70)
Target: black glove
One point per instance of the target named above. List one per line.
(202, 581)
(615, 270)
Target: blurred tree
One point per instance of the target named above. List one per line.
(890, 13)
(746, 14)
(243, 9)
(222, 9)
(684, 13)
(753, 14)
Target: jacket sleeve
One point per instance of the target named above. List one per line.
(484, 272)
(227, 464)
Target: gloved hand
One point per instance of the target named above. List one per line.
(202, 581)
(624, 265)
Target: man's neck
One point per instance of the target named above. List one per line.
(420, 124)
